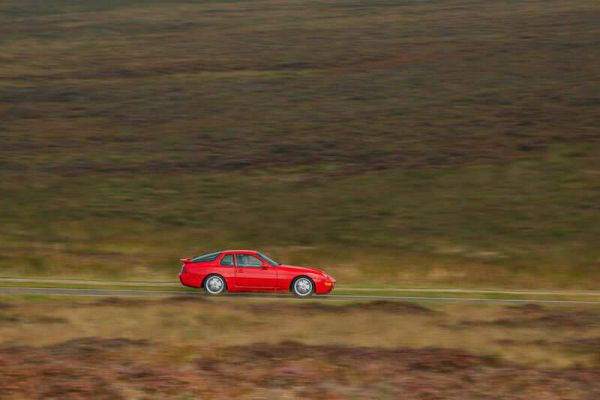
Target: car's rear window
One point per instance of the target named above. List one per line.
(207, 257)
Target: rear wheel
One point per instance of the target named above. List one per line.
(303, 287)
(214, 285)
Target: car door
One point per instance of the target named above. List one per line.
(252, 273)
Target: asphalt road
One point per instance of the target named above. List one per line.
(132, 292)
(339, 288)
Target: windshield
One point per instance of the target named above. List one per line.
(267, 259)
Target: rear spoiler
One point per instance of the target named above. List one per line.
(185, 260)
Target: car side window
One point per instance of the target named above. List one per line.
(246, 260)
(227, 260)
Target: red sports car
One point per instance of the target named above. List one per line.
(251, 271)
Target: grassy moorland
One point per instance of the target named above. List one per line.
(403, 143)
(187, 347)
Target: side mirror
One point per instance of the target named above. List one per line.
(265, 266)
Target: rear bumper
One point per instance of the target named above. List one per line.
(191, 280)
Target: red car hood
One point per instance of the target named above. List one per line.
(304, 270)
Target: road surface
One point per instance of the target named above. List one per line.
(133, 292)
(338, 288)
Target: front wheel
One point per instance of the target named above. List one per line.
(303, 287)
(214, 285)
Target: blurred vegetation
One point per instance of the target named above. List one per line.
(171, 347)
(406, 142)
(516, 333)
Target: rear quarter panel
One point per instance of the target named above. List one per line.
(196, 272)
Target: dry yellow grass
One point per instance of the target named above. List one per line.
(542, 336)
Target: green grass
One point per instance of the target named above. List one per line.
(399, 143)
(521, 226)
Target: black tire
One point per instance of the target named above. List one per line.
(303, 286)
(214, 285)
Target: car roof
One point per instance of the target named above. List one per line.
(240, 251)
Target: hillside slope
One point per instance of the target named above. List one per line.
(404, 142)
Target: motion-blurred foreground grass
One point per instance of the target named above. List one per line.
(406, 142)
(187, 347)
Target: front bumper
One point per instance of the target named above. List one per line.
(324, 286)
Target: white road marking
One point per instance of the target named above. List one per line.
(481, 291)
(88, 282)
